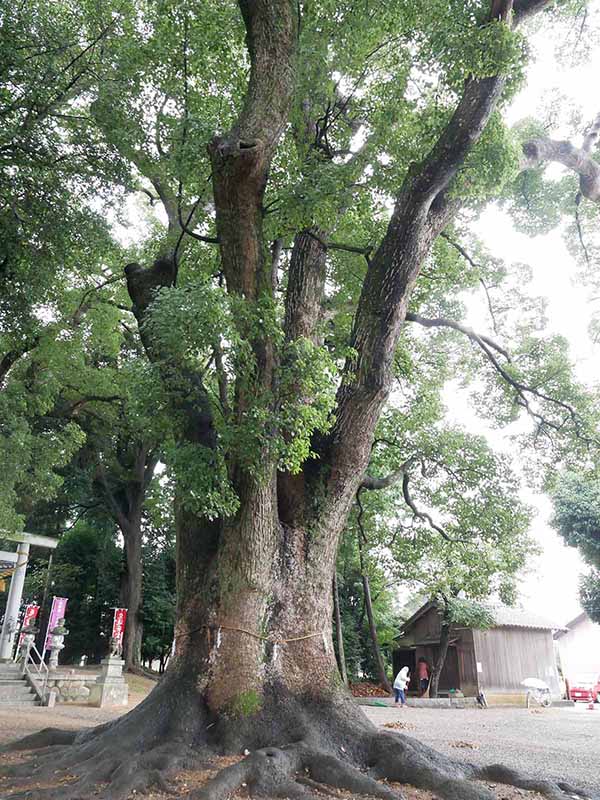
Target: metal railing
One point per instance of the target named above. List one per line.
(36, 671)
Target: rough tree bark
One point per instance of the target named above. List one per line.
(445, 631)
(254, 664)
(339, 633)
(377, 654)
(126, 503)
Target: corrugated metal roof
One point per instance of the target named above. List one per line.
(504, 616)
(519, 618)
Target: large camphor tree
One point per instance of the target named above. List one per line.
(274, 371)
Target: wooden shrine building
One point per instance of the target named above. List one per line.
(495, 661)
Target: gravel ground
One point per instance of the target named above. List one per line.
(561, 743)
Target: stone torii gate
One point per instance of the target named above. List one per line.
(15, 592)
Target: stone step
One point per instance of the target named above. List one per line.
(15, 693)
(33, 701)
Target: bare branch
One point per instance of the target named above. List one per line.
(442, 322)
(522, 390)
(460, 249)
(363, 251)
(371, 483)
(423, 515)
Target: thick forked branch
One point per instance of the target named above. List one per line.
(421, 212)
(374, 484)
(422, 515)
(578, 160)
(242, 157)
(401, 474)
(306, 286)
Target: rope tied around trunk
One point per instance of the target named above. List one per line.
(271, 638)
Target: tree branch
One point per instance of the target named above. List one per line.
(460, 249)
(242, 157)
(93, 398)
(117, 511)
(522, 390)
(422, 515)
(442, 322)
(421, 212)
(539, 150)
(371, 483)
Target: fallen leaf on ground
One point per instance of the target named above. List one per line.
(400, 726)
(465, 745)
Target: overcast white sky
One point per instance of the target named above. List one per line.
(551, 588)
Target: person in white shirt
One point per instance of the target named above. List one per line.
(400, 684)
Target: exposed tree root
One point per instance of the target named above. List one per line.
(318, 748)
(291, 772)
(550, 789)
(47, 737)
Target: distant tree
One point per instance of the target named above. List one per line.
(159, 602)
(577, 519)
(455, 612)
(365, 656)
(85, 569)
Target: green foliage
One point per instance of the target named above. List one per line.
(158, 611)
(577, 514)
(469, 614)
(589, 594)
(577, 518)
(124, 104)
(358, 648)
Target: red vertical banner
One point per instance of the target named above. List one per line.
(31, 612)
(118, 628)
(59, 605)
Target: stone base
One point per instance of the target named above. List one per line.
(70, 687)
(110, 689)
(421, 702)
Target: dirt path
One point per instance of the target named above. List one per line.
(560, 743)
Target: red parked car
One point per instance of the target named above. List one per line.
(585, 687)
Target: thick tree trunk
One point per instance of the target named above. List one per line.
(126, 502)
(261, 613)
(441, 657)
(132, 595)
(339, 633)
(254, 666)
(255, 673)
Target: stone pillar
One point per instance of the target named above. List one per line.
(13, 603)
(57, 642)
(111, 687)
(29, 634)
